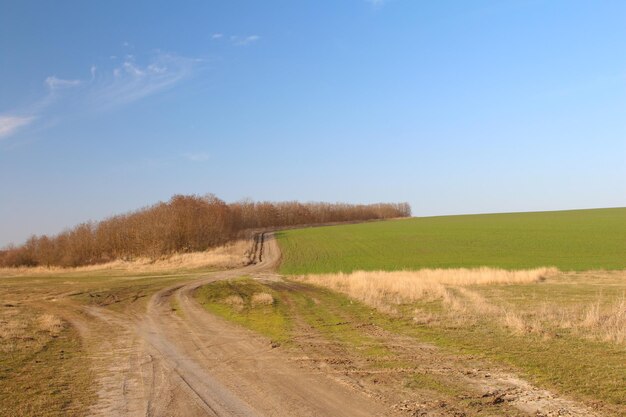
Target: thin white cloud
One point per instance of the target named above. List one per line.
(55, 83)
(244, 40)
(217, 36)
(11, 124)
(107, 87)
(131, 81)
(196, 156)
(132, 69)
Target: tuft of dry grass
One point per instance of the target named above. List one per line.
(608, 323)
(235, 301)
(51, 324)
(262, 298)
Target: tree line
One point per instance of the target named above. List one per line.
(186, 223)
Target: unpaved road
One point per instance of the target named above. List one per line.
(173, 358)
(189, 363)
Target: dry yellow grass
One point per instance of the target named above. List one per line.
(228, 256)
(609, 323)
(262, 298)
(50, 323)
(382, 288)
(386, 290)
(19, 331)
(235, 301)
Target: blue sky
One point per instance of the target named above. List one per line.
(453, 106)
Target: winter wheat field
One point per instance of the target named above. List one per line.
(485, 315)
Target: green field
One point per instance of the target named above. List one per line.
(574, 240)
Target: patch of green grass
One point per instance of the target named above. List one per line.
(333, 316)
(434, 383)
(221, 298)
(336, 317)
(570, 240)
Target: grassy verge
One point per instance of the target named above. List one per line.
(249, 303)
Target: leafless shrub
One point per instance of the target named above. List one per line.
(231, 255)
(184, 224)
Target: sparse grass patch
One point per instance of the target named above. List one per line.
(249, 303)
(42, 368)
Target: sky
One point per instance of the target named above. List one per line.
(452, 106)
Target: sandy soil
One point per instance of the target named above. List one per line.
(161, 361)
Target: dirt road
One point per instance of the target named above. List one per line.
(186, 362)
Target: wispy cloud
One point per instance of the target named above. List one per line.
(244, 40)
(117, 83)
(196, 156)
(11, 124)
(131, 81)
(237, 40)
(55, 83)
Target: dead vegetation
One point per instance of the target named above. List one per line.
(50, 323)
(262, 298)
(383, 289)
(458, 292)
(231, 255)
(235, 301)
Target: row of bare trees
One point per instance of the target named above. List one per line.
(183, 224)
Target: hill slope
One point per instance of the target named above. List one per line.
(570, 240)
